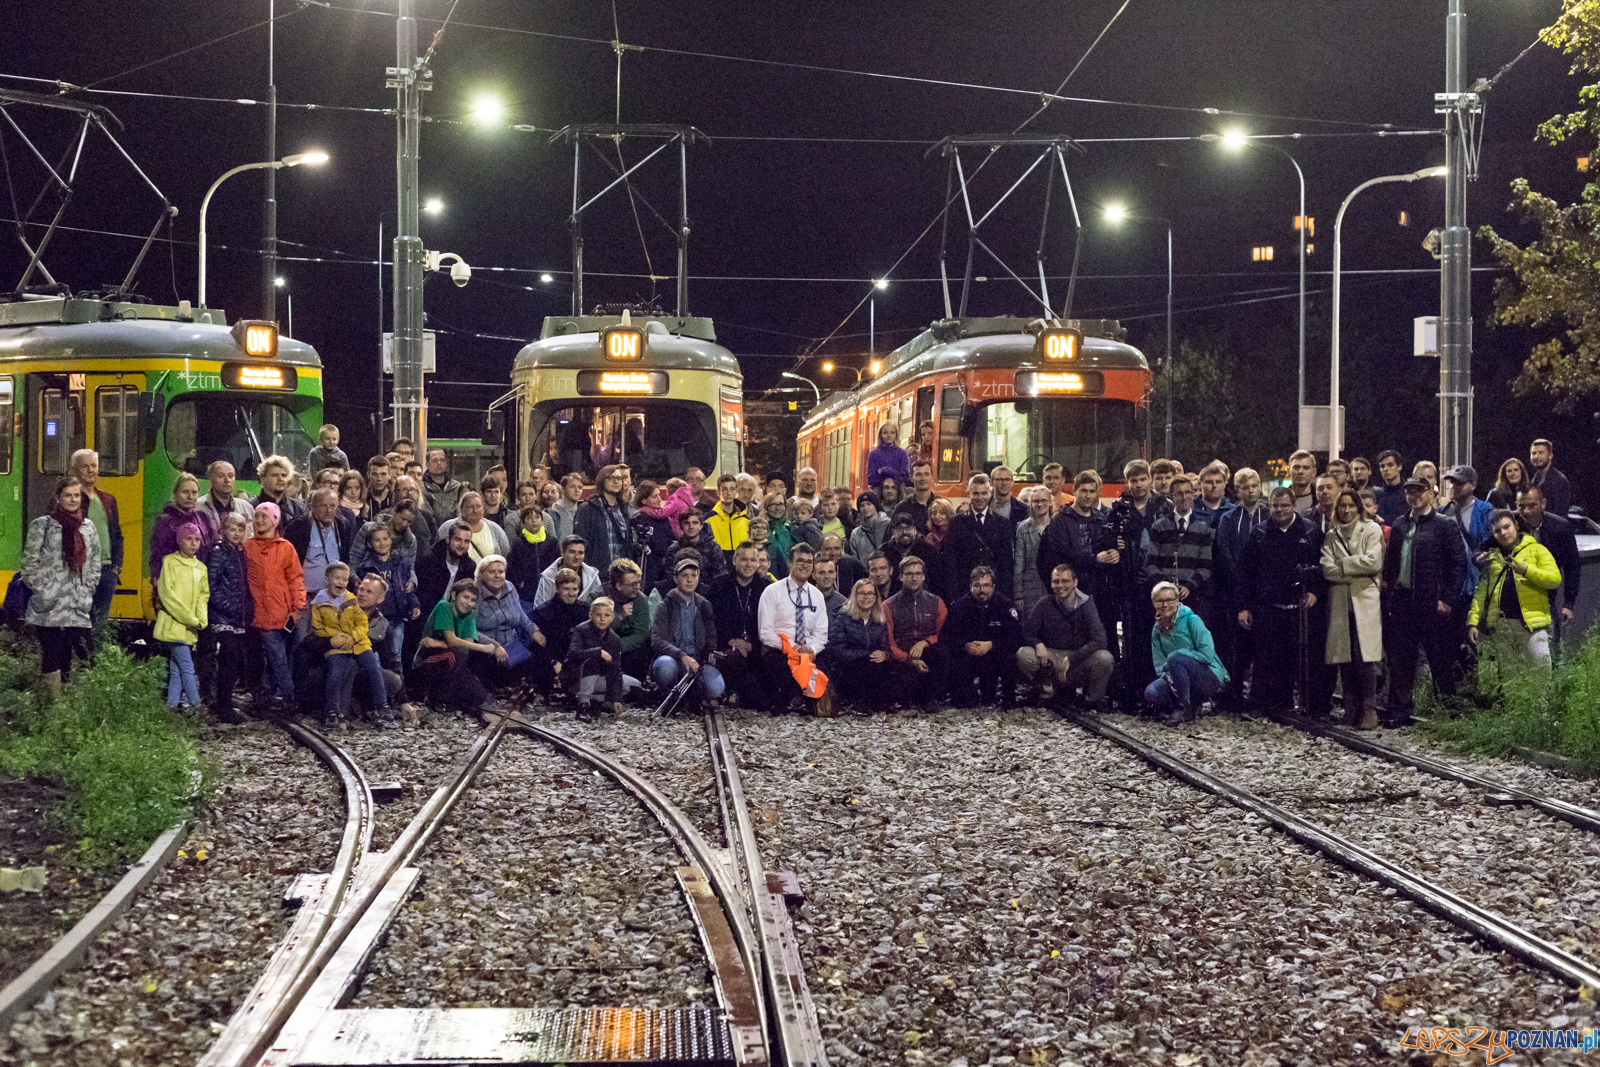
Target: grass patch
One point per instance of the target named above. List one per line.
(129, 765)
(1526, 706)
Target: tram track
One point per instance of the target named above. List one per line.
(1454, 883)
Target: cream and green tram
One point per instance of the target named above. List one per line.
(655, 392)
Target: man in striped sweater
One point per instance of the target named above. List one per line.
(1180, 545)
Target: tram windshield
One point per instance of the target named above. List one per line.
(204, 428)
(1079, 434)
(658, 440)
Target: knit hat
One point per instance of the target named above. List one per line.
(270, 510)
(189, 529)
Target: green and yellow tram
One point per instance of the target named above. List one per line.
(655, 392)
(154, 390)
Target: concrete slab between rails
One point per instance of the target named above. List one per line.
(517, 1035)
(24, 991)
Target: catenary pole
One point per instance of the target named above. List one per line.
(1455, 303)
(408, 252)
(269, 248)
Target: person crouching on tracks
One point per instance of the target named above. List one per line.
(185, 592)
(1513, 599)
(449, 636)
(553, 623)
(278, 593)
(337, 617)
(985, 633)
(793, 611)
(1063, 634)
(915, 618)
(683, 635)
(371, 593)
(1352, 561)
(857, 659)
(502, 623)
(1184, 656)
(594, 655)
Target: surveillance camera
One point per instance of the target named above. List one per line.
(460, 273)
(1434, 243)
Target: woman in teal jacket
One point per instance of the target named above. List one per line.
(1187, 668)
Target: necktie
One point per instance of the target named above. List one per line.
(1183, 526)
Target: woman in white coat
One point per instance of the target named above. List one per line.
(1352, 562)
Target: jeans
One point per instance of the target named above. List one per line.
(1183, 681)
(341, 672)
(396, 637)
(181, 679)
(589, 684)
(276, 678)
(666, 671)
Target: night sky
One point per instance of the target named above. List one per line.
(817, 220)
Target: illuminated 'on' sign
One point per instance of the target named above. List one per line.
(1060, 346)
(624, 344)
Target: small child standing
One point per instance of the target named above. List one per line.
(828, 520)
(400, 604)
(278, 596)
(594, 655)
(335, 615)
(327, 453)
(230, 610)
(184, 592)
(802, 527)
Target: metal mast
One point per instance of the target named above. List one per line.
(269, 248)
(1455, 305)
(408, 78)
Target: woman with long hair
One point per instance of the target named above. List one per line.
(1513, 479)
(1352, 562)
(352, 495)
(61, 566)
(602, 520)
(856, 659)
(937, 555)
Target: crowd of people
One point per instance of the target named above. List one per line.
(338, 591)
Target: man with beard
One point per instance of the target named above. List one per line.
(735, 601)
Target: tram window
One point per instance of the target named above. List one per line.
(948, 465)
(731, 461)
(7, 407)
(116, 429)
(1080, 434)
(60, 430)
(658, 439)
(202, 429)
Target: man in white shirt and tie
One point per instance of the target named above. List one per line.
(795, 609)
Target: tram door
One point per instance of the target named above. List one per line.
(55, 430)
(12, 528)
(111, 403)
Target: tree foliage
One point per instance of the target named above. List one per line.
(1554, 282)
(1216, 409)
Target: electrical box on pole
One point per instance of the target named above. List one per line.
(1425, 336)
(1314, 426)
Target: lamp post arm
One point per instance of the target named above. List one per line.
(205, 205)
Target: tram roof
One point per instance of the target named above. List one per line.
(975, 343)
(671, 343)
(114, 329)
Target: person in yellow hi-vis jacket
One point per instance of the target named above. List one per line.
(1518, 575)
(183, 590)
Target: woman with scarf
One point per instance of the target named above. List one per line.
(934, 549)
(532, 550)
(602, 520)
(181, 512)
(61, 566)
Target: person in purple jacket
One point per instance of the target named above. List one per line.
(888, 459)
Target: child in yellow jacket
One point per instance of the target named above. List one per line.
(183, 591)
(336, 616)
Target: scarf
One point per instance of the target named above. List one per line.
(936, 537)
(73, 549)
(533, 539)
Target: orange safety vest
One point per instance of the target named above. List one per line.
(813, 683)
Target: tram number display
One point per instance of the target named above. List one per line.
(1058, 346)
(258, 376)
(1060, 383)
(623, 344)
(622, 382)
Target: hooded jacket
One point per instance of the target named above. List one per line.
(1188, 637)
(1533, 588)
(185, 595)
(728, 525)
(231, 605)
(345, 617)
(276, 583)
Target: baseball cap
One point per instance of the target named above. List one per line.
(682, 563)
(1463, 474)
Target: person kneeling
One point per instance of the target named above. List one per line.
(985, 633)
(683, 634)
(335, 615)
(1186, 662)
(915, 617)
(1064, 635)
(594, 655)
(856, 660)
(449, 636)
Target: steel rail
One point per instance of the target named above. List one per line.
(1486, 925)
(232, 1047)
(1579, 816)
(400, 854)
(799, 1037)
(690, 843)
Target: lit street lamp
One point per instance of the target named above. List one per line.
(313, 159)
(872, 313)
(828, 367)
(1334, 429)
(1237, 140)
(1118, 213)
(808, 381)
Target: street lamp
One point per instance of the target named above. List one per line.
(1118, 213)
(828, 367)
(808, 381)
(1237, 140)
(280, 282)
(1338, 224)
(434, 206)
(872, 313)
(313, 159)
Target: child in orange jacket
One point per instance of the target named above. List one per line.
(278, 588)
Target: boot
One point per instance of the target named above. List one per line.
(1369, 715)
(52, 685)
